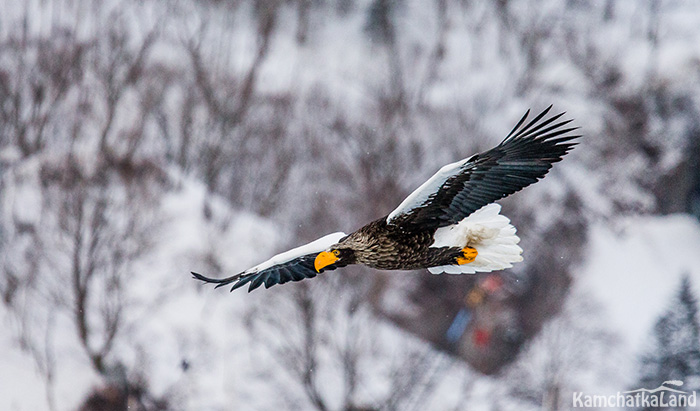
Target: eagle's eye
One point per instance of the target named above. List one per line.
(336, 253)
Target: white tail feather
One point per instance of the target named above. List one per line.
(490, 233)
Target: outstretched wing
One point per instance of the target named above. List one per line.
(460, 188)
(293, 265)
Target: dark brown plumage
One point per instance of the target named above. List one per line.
(389, 247)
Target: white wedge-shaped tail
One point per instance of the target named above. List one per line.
(490, 233)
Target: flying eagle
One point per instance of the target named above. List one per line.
(449, 224)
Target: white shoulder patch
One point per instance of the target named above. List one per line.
(420, 195)
(315, 246)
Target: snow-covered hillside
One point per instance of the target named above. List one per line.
(634, 266)
(142, 140)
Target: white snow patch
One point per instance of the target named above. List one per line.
(19, 379)
(634, 266)
(169, 318)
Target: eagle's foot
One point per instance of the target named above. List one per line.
(468, 255)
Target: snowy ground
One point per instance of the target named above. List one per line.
(173, 317)
(634, 266)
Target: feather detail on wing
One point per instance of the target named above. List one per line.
(293, 265)
(459, 189)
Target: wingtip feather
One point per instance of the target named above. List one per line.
(517, 125)
(220, 282)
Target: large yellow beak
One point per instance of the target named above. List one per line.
(323, 260)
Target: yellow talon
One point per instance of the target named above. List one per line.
(468, 255)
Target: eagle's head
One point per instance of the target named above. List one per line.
(336, 257)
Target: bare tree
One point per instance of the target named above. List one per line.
(571, 347)
(93, 213)
(324, 334)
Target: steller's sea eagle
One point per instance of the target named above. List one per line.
(449, 224)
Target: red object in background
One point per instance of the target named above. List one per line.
(481, 337)
(492, 283)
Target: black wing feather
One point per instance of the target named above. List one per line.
(293, 270)
(522, 158)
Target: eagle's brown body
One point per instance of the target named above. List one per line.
(389, 247)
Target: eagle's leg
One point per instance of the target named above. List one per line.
(468, 255)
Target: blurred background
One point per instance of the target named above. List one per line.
(140, 140)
